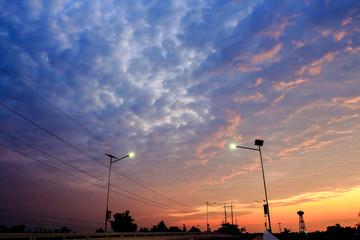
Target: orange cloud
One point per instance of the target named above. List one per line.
(276, 28)
(258, 97)
(244, 68)
(348, 102)
(339, 35)
(346, 21)
(298, 44)
(219, 139)
(344, 118)
(353, 50)
(325, 32)
(279, 86)
(262, 57)
(312, 196)
(316, 66)
(258, 82)
(233, 174)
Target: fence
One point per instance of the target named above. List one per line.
(110, 236)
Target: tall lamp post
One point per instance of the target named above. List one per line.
(259, 143)
(108, 213)
(207, 215)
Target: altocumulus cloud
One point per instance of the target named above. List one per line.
(177, 81)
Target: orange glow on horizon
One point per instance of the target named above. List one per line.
(334, 207)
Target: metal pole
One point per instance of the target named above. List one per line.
(107, 199)
(232, 216)
(280, 227)
(207, 216)
(266, 198)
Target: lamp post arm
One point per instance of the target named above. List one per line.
(118, 159)
(254, 149)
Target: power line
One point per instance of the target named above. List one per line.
(49, 165)
(31, 220)
(38, 215)
(77, 123)
(52, 134)
(58, 109)
(87, 155)
(57, 159)
(152, 190)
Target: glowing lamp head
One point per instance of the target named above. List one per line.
(131, 154)
(232, 146)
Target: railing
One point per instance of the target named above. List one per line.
(107, 236)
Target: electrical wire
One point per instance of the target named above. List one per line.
(58, 109)
(13, 76)
(44, 216)
(49, 165)
(31, 220)
(87, 155)
(57, 159)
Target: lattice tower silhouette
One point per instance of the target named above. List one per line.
(302, 227)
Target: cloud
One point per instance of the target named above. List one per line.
(176, 82)
(276, 28)
(280, 86)
(350, 102)
(257, 97)
(311, 197)
(219, 138)
(315, 67)
(267, 55)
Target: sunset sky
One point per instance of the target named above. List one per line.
(177, 82)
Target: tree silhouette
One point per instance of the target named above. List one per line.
(175, 229)
(14, 229)
(123, 222)
(161, 227)
(194, 229)
(63, 230)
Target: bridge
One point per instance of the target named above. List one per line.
(116, 236)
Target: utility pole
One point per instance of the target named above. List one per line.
(232, 216)
(280, 227)
(207, 215)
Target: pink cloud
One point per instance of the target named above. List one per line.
(325, 32)
(218, 139)
(298, 44)
(244, 68)
(279, 86)
(276, 28)
(262, 57)
(315, 67)
(258, 97)
(258, 82)
(346, 21)
(353, 50)
(347, 100)
(343, 118)
(311, 196)
(339, 35)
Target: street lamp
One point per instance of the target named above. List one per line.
(259, 143)
(207, 215)
(108, 213)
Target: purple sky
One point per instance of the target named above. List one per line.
(177, 82)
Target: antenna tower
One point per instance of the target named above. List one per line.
(302, 227)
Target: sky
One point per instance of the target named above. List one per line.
(176, 82)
